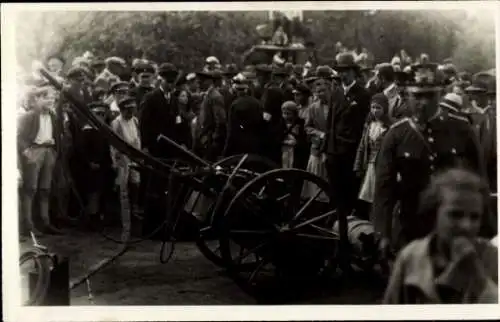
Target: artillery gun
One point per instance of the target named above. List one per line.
(256, 221)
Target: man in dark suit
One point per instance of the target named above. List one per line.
(245, 122)
(272, 99)
(158, 116)
(346, 119)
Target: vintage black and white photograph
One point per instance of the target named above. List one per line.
(288, 155)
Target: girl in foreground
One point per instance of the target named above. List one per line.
(452, 264)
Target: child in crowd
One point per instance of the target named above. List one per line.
(294, 148)
(126, 126)
(375, 129)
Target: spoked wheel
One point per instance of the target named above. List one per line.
(203, 204)
(280, 225)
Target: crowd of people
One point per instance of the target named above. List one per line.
(382, 136)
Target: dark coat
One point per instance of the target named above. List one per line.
(301, 149)
(272, 100)
(245, 127)
(91, 147)
(211, 126)
(448, 141)
(346, 121)
(158, 116)
(139, 92)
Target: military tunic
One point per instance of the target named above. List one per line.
(407, 159)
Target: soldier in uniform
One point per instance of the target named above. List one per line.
(412, 150)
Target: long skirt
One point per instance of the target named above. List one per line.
(367, 191)
(316, 166)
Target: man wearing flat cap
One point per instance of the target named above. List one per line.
(350, 104)
(159, 104)
(111, 74)
(126, 126)
(411, 152)
(245, 121)
(475, 102)
(142, 80)
(211, 122)
(117, 91)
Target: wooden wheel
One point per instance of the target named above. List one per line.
(280, 224)
(203, 204)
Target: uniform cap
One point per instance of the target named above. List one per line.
(119, 86)
(127, 102)
(76, 72)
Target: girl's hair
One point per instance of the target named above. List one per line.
(458, 179)
(381, 100)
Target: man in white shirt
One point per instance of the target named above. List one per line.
(36, 145)
(126, 126)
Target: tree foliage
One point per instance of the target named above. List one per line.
(186, 38)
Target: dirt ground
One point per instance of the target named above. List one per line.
(138, 277)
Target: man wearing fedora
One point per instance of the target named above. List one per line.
(211, 121)
(245, 121)
(414, 149)
(350, 106)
